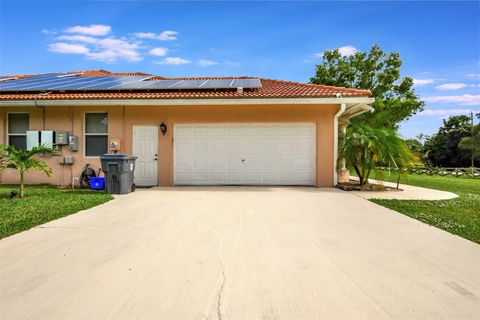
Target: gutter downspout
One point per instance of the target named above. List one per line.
(341, 110)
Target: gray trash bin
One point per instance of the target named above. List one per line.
(118, 170)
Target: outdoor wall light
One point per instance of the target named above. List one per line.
(163, 128)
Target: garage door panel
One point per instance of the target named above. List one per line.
(236, 131)
(234, 178)
(200, 147)
(216, 146)
(183, 164)
(272, 154)
(182, 131)
(305, 130)
(182, 177)
(234, 147)
(217, 131)
(303, 147)
(199, 131)
(183, 147)
(217, 177)
(216, 164)
(200, 164)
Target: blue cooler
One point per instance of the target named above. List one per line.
(97, 183)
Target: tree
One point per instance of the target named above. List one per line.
(442, 148)
(366, 149)
(371, 138)
(472, 143)
(23, 161)
(416, 147)
(379, 72)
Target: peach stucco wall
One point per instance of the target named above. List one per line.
(122, 119)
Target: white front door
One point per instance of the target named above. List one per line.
(245, 154)
(145, 147)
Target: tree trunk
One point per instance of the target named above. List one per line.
(359, 174)
(22, 192)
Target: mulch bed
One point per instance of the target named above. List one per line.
(354, 185)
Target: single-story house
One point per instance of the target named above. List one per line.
(184, 131)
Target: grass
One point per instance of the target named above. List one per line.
(42, 204)
(460, 216)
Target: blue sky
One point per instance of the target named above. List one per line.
(439, 42)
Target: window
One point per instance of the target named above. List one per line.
(17, 130)
(96, 134)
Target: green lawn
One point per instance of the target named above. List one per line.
(42, 204)
(460, 216)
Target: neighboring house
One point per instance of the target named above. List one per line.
(223, 131)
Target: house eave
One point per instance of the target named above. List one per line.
(350, 101)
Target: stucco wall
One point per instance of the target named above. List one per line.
(122, 119)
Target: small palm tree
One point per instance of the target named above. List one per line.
(23, 161)
(366, 148)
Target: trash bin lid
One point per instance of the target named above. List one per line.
(117, 156)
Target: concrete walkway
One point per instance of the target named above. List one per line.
(238, 253)
(407, 192)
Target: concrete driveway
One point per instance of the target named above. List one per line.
(238, 253)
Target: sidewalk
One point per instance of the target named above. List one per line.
(408, 192)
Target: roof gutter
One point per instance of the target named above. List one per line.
(351, 112)
(186, 102)
(341, 110)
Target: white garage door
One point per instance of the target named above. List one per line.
(244, 154)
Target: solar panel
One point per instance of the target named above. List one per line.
(45, 84)
(75, 83)
(247, 83)
(218, 84)
(57, 81)
(28, 80)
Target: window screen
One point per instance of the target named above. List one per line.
(96, 134)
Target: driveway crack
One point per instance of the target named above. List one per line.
(219, 297)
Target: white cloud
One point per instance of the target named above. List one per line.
(463, 100)
(177, 61)
(111, 50)
(78, 38)
(473, 75)
(345, 51)
(444, 113)
(62, 47)
(48, 32)
(159, 52)
(102, 49)
(451, 86)
(206, 63)
(423, 82)
(92, 30)
(95, 43)
(164, 35)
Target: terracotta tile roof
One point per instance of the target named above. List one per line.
(270, 89)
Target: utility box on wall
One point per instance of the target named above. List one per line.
(73, 143)
(61, 138)
(47, 138)
(65, 160)
(33, 139)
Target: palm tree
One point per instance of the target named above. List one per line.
(366, 149)
(23, 161)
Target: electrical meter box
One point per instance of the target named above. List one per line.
(61, 138)
(47, 138)
(33, 139)
(65, 160)
(73, 143)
